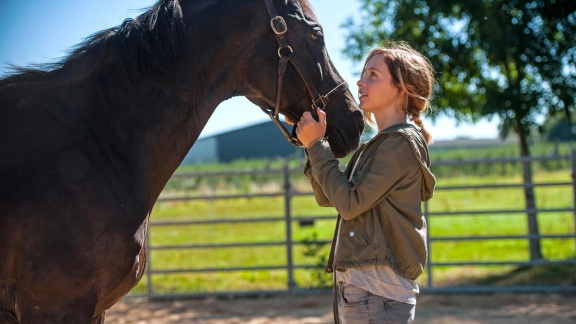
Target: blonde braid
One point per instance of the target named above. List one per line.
(420, 123)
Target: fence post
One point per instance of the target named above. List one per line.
(574, 190)
(534, 239)
(288, 220)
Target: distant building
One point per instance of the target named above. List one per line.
(257, 141)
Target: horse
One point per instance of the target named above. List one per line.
(88, 143)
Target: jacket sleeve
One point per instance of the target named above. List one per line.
(379, 172)
(321, 198)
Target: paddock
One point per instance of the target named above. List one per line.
(478, 239)
(316, 309)
(438, 303)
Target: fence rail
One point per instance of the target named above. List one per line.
(288, 243)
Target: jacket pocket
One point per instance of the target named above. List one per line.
(354, 231)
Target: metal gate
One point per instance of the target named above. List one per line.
(290, 187)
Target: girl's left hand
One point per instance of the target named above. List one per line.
(309, 130)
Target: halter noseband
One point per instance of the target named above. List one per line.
(286, 54)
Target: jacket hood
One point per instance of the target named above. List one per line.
(420, 149)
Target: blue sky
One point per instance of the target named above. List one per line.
(40, 31)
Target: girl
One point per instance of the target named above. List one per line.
(379, 247)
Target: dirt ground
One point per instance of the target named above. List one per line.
(316, 309)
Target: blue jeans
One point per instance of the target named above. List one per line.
(358, 306)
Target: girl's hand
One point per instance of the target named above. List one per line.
(309, 130)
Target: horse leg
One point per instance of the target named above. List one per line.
(8, 318)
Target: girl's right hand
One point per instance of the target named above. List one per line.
(309, 130)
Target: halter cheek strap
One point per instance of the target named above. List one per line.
(286, 54)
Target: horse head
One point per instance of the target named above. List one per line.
(286, 44)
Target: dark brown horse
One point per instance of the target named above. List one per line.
(87, 144)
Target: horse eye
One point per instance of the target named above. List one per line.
(317, 35)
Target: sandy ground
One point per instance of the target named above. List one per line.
(312, 309)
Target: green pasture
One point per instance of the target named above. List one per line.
(311, 249)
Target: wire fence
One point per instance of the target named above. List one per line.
(285, 248)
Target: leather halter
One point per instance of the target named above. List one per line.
(286, 54)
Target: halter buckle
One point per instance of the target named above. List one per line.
(279, 25)
(321, 99)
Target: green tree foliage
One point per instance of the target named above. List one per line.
(562, 131)
(513, 59)
(509, 58)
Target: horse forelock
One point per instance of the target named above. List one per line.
(307, 9)
(153, 42)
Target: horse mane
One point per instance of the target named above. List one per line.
(152, 42)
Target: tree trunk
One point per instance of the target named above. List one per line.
(531, 214)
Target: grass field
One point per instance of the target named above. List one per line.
(467, 224)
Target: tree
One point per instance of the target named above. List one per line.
(509, 58)
(562, 131)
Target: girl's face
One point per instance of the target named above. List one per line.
(376, 90)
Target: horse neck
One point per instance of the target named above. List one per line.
(208, 80)
(155, 124)
(163, 122)
(152, 123)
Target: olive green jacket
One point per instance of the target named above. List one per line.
(380, 219)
